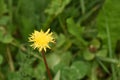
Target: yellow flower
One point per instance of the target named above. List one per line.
(41, 39)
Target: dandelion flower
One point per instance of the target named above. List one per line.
(41, 39)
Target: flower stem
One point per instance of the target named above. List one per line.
(46, 65)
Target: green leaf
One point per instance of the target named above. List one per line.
(2, 32)
(2, 7)
(68, 74)
(57, 58)
(76, 30)
(4, 20)
(39, 71)
(88, 55)
(60, 40)
(81, 68)
(102, 53)
(75, 72)
(14, 76)
(1, 59)
(7, 38)
(96, 43)
(56, 7)
(57, 76)
(53, 59)
(73, 28)
(110, 16)
(66, 58)
(27, 27)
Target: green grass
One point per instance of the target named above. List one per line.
(86, 33)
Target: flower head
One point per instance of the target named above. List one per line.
(41, 39)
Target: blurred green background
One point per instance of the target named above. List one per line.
(87, 34)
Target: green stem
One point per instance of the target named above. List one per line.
(46, 65)
(10, 60)
(62, 25)
(109, 60)
(10, 11)
(49, 20)
(83, 6)
(110, 50)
